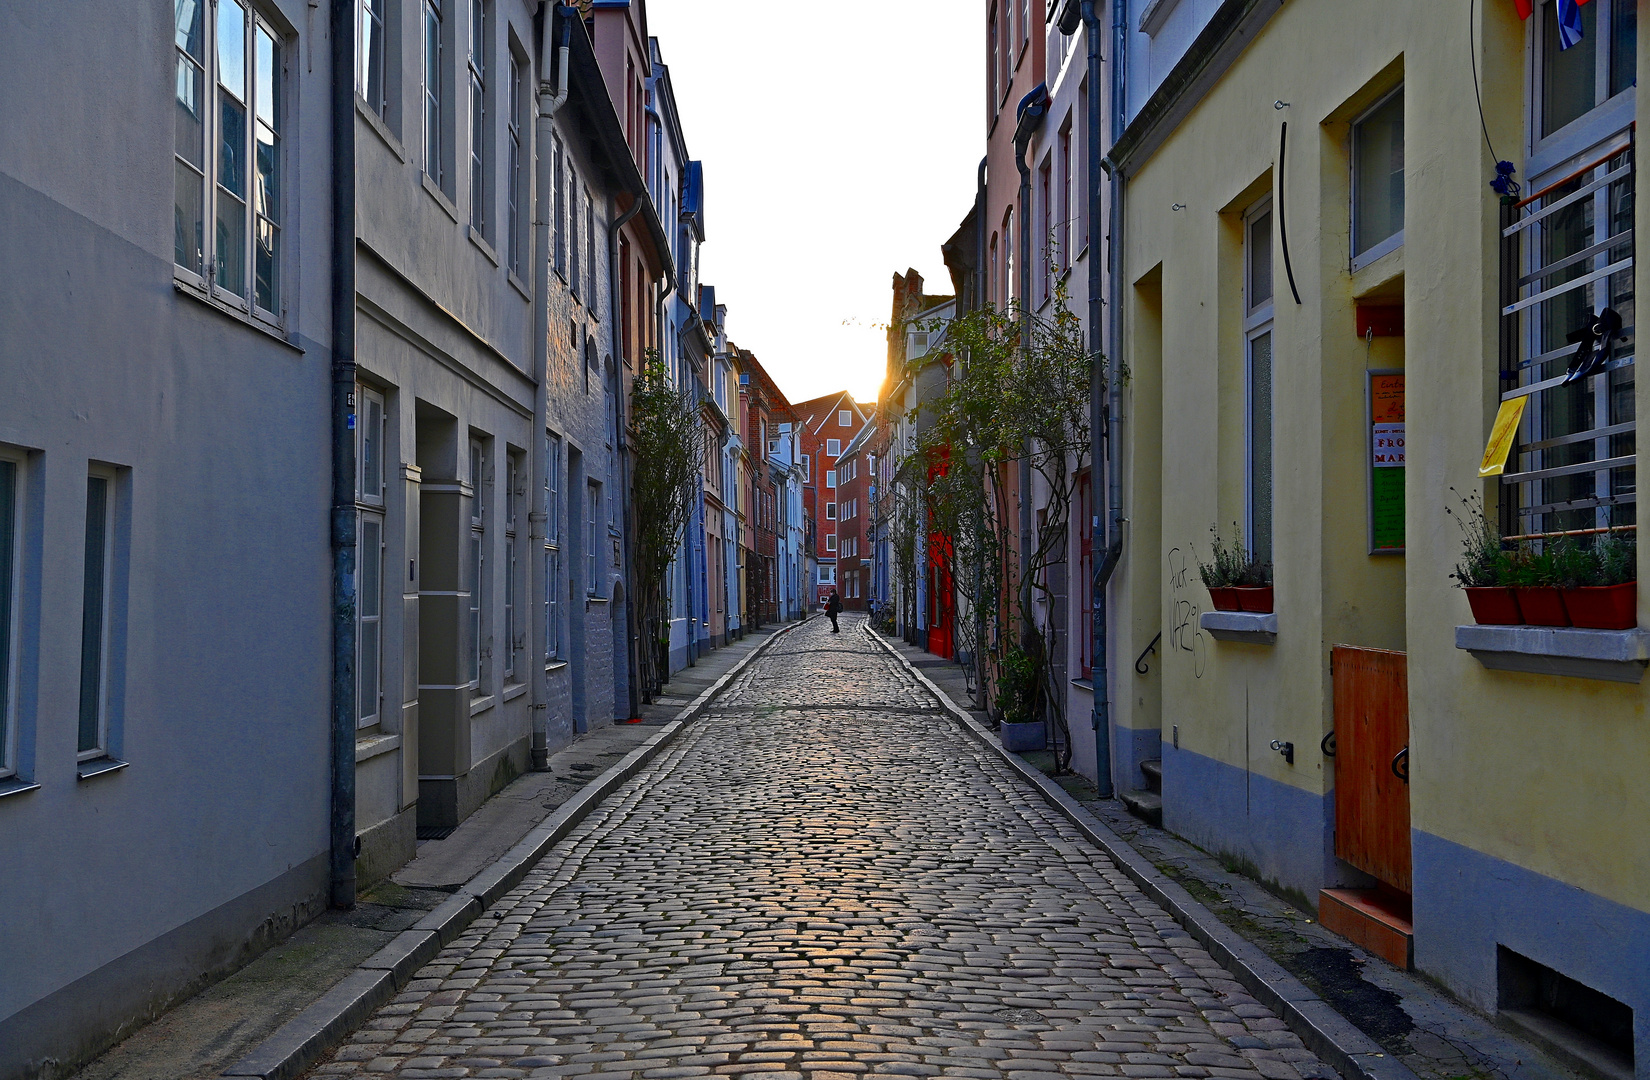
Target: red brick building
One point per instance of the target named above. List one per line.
(855, 473)
(829, 424)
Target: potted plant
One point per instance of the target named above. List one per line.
(1538, 576)
(1018, 685)
(1236, 582)
(1485, 570)
(1605, 594)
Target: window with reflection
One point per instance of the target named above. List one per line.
(228, 155)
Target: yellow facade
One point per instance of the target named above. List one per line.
(1523, 783)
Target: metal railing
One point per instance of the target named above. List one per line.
(1566, 276)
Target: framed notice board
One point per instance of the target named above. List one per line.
(1384, 427)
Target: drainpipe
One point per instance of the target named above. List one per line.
(1103, 388)
(1028, 117)
(616, 332)
(550, 100)
(342, 824)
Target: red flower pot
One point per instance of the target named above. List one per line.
(1255, 598)
(1493, 605)
(1603, 607)
(1542, 605)
(1224, 598)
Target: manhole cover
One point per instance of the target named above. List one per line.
(581, 766)
(1020, 1016)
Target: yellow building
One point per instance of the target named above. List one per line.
(1324, 304)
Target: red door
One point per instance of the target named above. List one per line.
(1372, 762)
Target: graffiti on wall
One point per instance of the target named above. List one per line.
(1185, 592)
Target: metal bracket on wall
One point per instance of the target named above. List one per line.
(1140, 665)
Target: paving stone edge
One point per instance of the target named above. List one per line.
(1324, 1031)
(301, 1041)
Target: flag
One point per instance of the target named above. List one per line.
(1526, 8)
(1569, 22)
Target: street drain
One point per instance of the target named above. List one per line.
(1020, 1016)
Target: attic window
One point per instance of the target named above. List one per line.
(844, 419)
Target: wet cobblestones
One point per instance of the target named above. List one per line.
(825, 879)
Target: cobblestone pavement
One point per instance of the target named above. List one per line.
(824, 878)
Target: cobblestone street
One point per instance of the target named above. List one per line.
(825, 876)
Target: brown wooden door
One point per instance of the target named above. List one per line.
(1371, 730)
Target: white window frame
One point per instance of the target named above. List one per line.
(477, 73)
(1361, 259)
(844, 418)
(830, 541)
(552, 549)
(373, 14)
(516, 194)
(111, 489)
(207, 279)
(1610, 115)
(807, 469)
(513, 493)
(11, 623)
(830, 511)
(830, 478)
(833, 448)
(372, 427)
(433, 115)
(1257, 323)
(478, 566)
(593, 529)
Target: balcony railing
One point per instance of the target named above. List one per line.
(1567, 260)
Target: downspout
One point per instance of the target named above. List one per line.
(1029, 117)
(342, 824)
(616, 332)
(549, 102)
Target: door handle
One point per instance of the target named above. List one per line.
(1400, 765)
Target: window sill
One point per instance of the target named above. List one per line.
(373, 745)
(438, 195)
(1361, 284)
(514, 690)
(1606, 655)
(554, 665)
(520, 286)
(379, 128)
(482, 704)
(183, 288)
(11, 785)
(102, 766)
(593, 600)
(1247, 627)
(1084, 684)
(481, 242)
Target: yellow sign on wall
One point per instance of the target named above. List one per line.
(1502, 436)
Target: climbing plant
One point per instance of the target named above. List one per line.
(665, 444)
(1017, 400)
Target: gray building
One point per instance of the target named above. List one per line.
(303, 511)
(165, 462)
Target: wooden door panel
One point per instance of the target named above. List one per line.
(1371, 727)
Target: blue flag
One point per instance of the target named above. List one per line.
(1569, 23)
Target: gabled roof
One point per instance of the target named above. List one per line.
(858, 442)
(827, 407)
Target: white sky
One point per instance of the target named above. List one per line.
(840, 144)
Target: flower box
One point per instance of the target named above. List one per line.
(1542, 605)
(1603, 607)
(1494, 605)
(1022, 738)
(1224, 598)
(1255, 598)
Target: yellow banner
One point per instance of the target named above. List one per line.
(1502, 436)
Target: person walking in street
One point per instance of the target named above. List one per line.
(832, 607)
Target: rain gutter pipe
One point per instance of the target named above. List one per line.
(341, 866)
(550, 100)
(1102, 388)
(1028, 117)
(616, 332)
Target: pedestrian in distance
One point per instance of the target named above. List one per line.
(832, 607)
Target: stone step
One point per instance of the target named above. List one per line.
(1153, 768)
(1377, 919)
(1145, 805)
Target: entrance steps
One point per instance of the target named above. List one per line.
(1378, 920)
(1147, 805)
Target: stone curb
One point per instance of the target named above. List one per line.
(301, 1041)
(1324, 1031)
